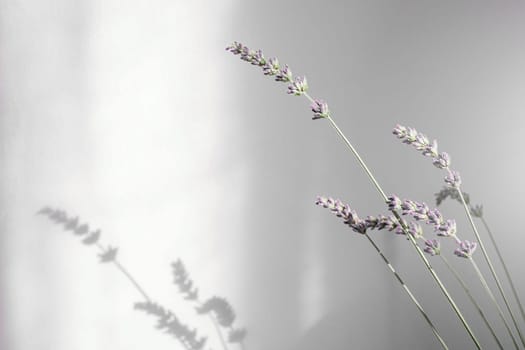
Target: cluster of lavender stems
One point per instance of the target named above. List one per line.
(447, 228)
(361, 226)
(442, 160)
(299, 87)
(477, 212)
(218, 309)
(433, 247)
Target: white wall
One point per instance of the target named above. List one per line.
(132, 116)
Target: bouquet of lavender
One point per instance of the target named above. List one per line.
(407, 216)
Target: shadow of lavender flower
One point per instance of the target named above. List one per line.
(218, 309)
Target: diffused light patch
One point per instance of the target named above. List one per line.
(313, 283)
(137, 148)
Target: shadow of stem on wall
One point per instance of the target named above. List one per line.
(217, 309)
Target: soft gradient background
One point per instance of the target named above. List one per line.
(131, 115)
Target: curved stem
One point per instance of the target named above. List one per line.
(469, 294)
(407, 290)
(489, 263)
(500, 256)
(491, 295)
(405, 230)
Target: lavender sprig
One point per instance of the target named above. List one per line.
(234, 49)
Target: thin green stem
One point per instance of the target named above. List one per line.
(407, 290)
(500, 256)
(474, 302)
(491, 295)
(489, 263)
(405, 230)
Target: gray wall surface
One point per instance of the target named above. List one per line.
(132, 116)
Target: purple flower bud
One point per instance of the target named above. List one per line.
(358, 225)
(432, 247)
(453, 179)
(421, 212)
(247, 54)
(258, 58)
(394, 203)
(320, 109)
(442, 161)
(390, 222)
(421, 143)
(409, 207)
(447, 229)
(410, 136)
(466, 249)
(298, 86)
(435, 218)
(431, 150)
(400, 131)
(284, 75)
(415, 230)
(235, 48)
(371, 222)
(271, 67)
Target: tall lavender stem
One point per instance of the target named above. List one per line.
(407, 290)
(489, 263)
(474, 302)
(500, 256)
(405, 229)
(491, 295)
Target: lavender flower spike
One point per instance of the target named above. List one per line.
(320, 109)
(466, 249)
(298, 86)
(343, 211)
(432, 247)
